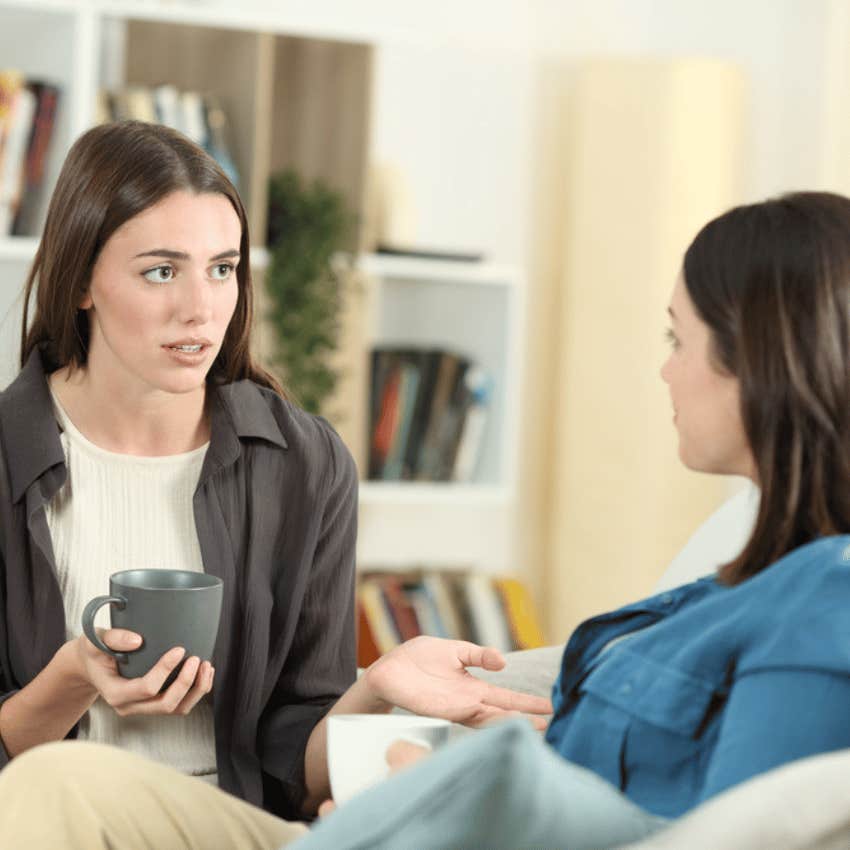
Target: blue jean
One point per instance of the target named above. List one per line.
(499, 788)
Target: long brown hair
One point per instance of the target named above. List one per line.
(111, 174)
(772, 281)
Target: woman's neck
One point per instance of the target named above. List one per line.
(151, 424)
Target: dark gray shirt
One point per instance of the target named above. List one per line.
(276, 516)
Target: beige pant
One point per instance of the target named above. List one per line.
(84, 796)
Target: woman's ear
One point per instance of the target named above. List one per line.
(86, 301)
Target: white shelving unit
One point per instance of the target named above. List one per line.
(476, 309)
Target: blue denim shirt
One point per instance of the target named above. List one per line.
(727, 683)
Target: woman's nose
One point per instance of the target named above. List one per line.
(194, 305)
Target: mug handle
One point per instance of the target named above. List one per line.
(88, 624)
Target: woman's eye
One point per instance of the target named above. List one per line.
(671, 338)
(221, 271)
(161, 274)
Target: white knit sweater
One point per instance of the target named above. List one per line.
(119, 512)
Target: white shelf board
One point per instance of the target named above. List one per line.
(453, 526)
(326, 19)
(441, 271)
(442, 494)
(18, 248)
(419, 269)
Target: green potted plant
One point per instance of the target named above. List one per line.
(308, 225)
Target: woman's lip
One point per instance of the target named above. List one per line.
(187, 358)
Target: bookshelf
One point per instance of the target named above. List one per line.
(286, 77)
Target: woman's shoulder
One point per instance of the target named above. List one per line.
(801, 605)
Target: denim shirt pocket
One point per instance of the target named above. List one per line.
(652, 692)
(660, 722)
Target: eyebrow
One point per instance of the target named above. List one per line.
(182, 255)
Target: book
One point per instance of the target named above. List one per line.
(478, 388)
(427, 615)
(367, 646)
(192, 117)
(168, 110)
(387, 421)
(11, 82)
(449, 426)
(18, 126)
(429, 366)
(428, 461)
(455, 585)
(381, 364)
(400, 608)
(521, 616)
(381, 623)
(218, 146)
(29, 213)
(436, 587)
(139, 104)
(408, 387)
(486, 612)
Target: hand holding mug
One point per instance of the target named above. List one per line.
(400, 754)
(156, 658)
(144, 694)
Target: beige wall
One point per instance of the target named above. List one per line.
(634, 157)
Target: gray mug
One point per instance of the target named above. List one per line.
(167, 608)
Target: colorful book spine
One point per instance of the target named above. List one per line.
(406, 402)
(13, 169)
(28, 218)
(522, 618)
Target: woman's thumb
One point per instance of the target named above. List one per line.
(121, 640)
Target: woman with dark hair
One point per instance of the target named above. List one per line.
(669, 701)
(139, 433)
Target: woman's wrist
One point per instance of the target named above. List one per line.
(361, 698)
(72, 669)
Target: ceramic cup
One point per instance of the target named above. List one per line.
(357, 746)
(167, 608)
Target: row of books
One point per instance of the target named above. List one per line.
(27, 118)
(428, 415)
(394, 607)
(201, 117)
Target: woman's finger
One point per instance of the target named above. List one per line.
(509, 700)
(402, 753)
(167, 702)
(120, 640)
(326, 808)
(123, 692)
(202, 686)
(472, 655)
(487, 716)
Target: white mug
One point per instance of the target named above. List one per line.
(358, 743)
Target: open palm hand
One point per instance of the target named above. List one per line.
(429, 676)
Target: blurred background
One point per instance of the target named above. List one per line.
(466, 221)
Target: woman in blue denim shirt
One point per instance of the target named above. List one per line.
(666, 702)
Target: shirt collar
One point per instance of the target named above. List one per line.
(249, 411)
(31, 434)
